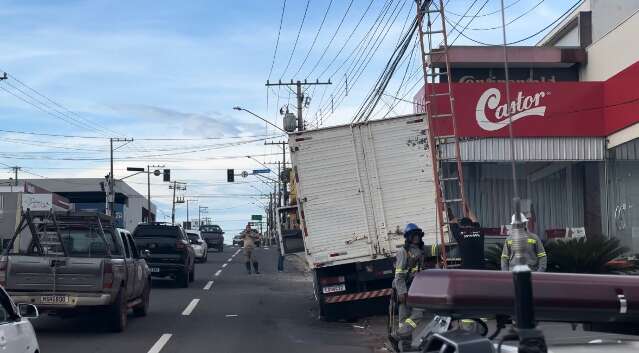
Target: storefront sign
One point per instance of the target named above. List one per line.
(517, 75)
(37, 202)
(538, 109)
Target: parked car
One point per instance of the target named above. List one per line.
(73, 263)
(17, 332)
(170, 251)
(237, 240)
(213, 235)
(199, 245)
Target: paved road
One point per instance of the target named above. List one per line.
(271, 312)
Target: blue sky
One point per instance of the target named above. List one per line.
(158, 69)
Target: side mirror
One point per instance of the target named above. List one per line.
(145, 253)
(28, 311)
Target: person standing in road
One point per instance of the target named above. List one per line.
(470, 240)
(249, 237)
(409, 261)
(535, 254)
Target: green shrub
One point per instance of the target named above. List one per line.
(587, 255)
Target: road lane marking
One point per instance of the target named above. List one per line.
(231, 315)
(224, 265)
(189, 308)
(208, 285)
(229, 260)
(218, 273)
(159, 344)
(265, 248)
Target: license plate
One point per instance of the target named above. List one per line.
(55, 299)
(333, 289)
(155, 269)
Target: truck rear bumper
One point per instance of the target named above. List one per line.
(75, 300)
(358, 296)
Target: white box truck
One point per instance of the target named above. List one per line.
(357, 187)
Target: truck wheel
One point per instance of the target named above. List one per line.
(117, 313)
(221, 248)
(206, 257)
(143, 308)
(192, 275)
(182, 279)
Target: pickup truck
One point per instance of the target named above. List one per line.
(213, 235)
(76, 263)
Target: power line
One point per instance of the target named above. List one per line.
(315, 39)
(486, 14)
(137, 139)
(528, 37)
(277, 42)
(299, 31)
(511, 21)
(332, 38)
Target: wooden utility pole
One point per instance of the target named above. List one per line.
(111, 201)
(176, 186)
(300, 96)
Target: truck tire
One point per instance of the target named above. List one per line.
(192, 274)
(221, 248)
(143, 308)
(206, 257)
(182, 279)
(117, 313)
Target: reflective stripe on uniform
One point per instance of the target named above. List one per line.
(509, 242)
(504, 257)
(541, 254)
(400, 270)
(411, 322)
(414, 269)
(532, 241)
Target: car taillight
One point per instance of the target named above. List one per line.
(4, 264)
(332, 280)
(107, 276)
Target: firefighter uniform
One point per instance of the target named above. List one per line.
(409, 261)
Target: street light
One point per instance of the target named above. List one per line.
(259, 117)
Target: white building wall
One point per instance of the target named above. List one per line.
(571, 39)
(607, 14)
(615, 50)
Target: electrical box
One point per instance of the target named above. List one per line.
(290, 122)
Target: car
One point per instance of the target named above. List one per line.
(99, 268)
(170, 253)
(199, 245)
(237, 240)
(17, 334)
(213, 235)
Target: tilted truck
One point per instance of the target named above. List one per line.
(357, 187)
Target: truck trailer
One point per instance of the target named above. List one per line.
(358, 186)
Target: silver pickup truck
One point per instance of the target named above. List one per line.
(75, 263)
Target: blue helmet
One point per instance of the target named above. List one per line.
(412, 228)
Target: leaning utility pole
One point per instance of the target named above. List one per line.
(300, 96)
(111, 202)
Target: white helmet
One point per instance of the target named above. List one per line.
(522, 218)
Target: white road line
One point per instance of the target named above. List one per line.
(208, 285)
(159, 344)
(224, 265)
(189, 308)
(231, 315)
(218, 273)
(229, 260)
(265, 248)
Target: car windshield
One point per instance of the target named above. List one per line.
(193, 236)
(210, 229)
(156, 231)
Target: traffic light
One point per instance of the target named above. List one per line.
(230, 175)
(167, 174)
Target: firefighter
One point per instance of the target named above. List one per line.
(249, 237)
(535, 254)
(470, 240)
(409, 261)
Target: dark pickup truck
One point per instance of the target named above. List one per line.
(170, 251)
(213, 236)
(72, 263)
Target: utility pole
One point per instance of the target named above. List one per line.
(199, 214)
(176, 186)
(281, 167)
(111, 203)
(16, 169)
(300, 96)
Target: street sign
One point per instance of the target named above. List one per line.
(38, 202)
(245, 174)
(261, 171)
(256, 217)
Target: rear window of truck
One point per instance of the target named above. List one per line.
(75, 241)
(156, 232)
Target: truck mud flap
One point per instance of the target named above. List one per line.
(358, 296)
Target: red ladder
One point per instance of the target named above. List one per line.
(449, 180)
